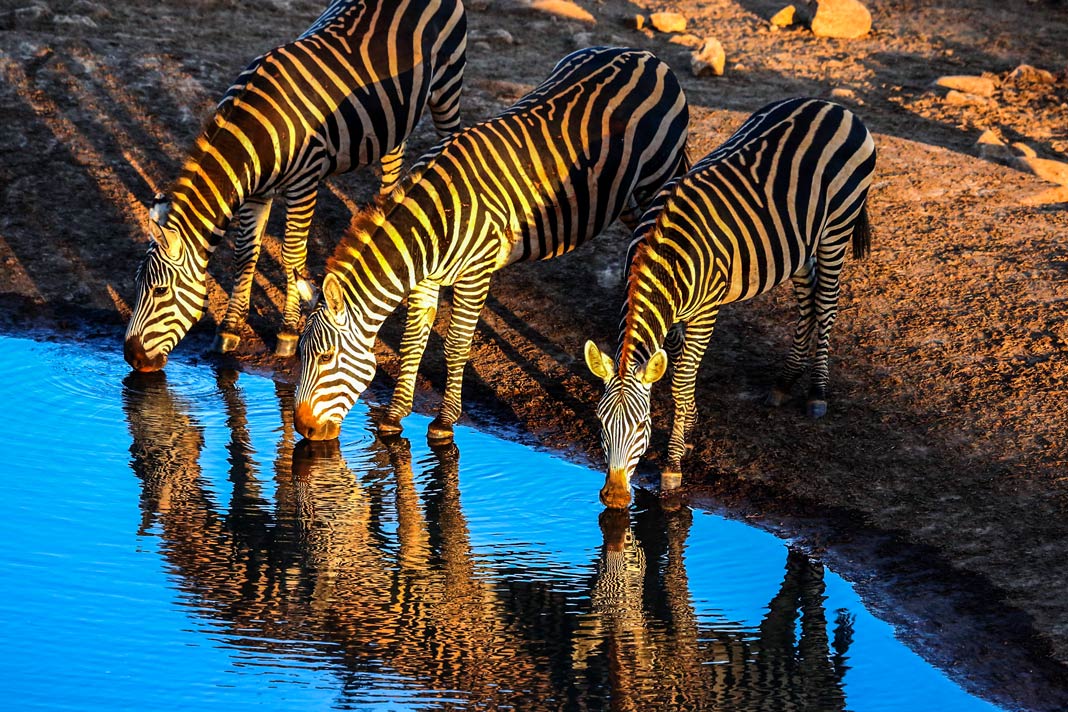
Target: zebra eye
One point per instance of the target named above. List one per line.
(325, 358)
(160, 291)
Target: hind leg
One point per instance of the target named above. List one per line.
(300, 207)
(827, 290)
(804, 282)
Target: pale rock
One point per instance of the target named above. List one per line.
(844, 19)
(1045, 168)
(481, 45)
(845, 94)
(710, 59)
(634, 22)
(969, 84)
(582, 39)
(1024, 150)
(962, 98)
(687, 40)
(564, 9)
(992, 148)
(74, 21)
(496, 36)
(668, 22)
(1026, 74)
(784, 17)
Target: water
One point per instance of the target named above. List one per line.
(165, 546)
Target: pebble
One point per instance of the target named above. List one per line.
(687, 40)
(563, 8)
(582, 39)
(969, 84)
(634, 22)
(74, 21)
(1026, 74)
(961, 98)
(845, 94)
(497, 35)
(784, 17)
(709, 60)
(992, 148)
(844, 19)
(668, 22)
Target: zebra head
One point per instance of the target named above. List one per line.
(624, 415)
(336, 363)
(171, 295)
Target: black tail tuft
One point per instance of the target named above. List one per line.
(862, 235)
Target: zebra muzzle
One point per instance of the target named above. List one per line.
(134, 353)
(311, 427)
(616, 491)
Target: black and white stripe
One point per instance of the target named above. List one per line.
(594, 142)
(346, 93)
(781, 199)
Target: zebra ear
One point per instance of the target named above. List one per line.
(332, 295)
(654, 368)
(599, 363)
(306, 291)
(167, 239)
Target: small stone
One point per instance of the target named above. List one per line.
(709, 60)
(634, 22)
(992, 148)
(563, 8)
(1026, 74)
(1044, 168)
(969, 84)
(784, 17)
(500, 36)
(481, 45)
(668, 22)
(582, 39)
(687, 40)
(961, 98)
(844, 94)
(74, 21)
(844, 19)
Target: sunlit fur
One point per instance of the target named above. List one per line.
(781, 199)
(592, 143)
(346, 93)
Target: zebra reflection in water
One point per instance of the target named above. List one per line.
(373, 569)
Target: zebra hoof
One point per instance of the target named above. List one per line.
(670, 480)
(225, 342)
(286, 345)
(817, 409)
(776, 397)
(439, 431)
(390, 426)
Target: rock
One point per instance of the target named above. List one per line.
(582, 39)
(845, 94)
(687, 40)
(1044, 168)
(634, 22)
(979, 86)
(563, 8)
(710, 59)
(784, 17)
(496, 36)
(668, 22)
(992, 148)
(961, 98)
(74, 21)
(1023, 149)
(1026, 74)
(31, 14)
(480, 45)
(844, 19)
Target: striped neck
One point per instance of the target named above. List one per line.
(651, 306)
(389, 249)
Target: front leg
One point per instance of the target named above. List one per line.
(300, 208)
(252, 222)
(392, 163)
(422, 309)
(468, 298)
(683, 380)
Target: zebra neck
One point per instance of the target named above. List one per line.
(651, 308)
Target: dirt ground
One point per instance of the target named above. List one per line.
(938, 482)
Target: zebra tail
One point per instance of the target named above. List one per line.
(862, 235)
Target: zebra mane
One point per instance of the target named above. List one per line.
(644, 258)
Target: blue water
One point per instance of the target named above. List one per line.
(166, 544)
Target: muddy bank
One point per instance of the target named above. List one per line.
(948, 376)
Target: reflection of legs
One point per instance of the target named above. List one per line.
(252, 220)
(698, 332)
(422, 308)
(300, 207)
(392, 163)
(827, 288)
(468, 298)
(804, 281)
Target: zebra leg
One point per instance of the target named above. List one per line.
(674, 342)
(252, 220)
(468, 298)
(422, 308)
(392, 163)
(444, 98)
(683, 379)
(804, 281)
(827, 288)
(300, 207)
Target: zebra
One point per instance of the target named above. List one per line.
(347, 92)
(782, 198)
(595, 141)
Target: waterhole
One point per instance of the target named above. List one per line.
(168, 543)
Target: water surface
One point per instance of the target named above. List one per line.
(167, 544)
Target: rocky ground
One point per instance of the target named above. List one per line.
(938, 480)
